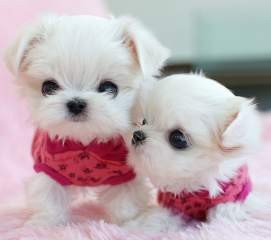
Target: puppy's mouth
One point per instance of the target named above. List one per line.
(77, 118)
(136, 144)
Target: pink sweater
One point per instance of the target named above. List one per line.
(72, 163)
(195, 205)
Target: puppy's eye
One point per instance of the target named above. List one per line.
(49, 87)
(108, 87)
(144, 122)
(178, 140)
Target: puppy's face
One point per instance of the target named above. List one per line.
(80, 73)
(191, 125)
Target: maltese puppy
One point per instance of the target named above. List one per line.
(193, 145)
(80, 75)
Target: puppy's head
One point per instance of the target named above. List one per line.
(192, 125)
(80, 73)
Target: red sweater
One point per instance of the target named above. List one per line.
(72, 163)
(195, 205)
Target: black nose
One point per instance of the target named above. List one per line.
(76, 106)
(138, 137)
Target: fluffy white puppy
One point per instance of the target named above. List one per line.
(79, 75)
(193, 144)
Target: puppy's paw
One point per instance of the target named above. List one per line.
(155, 220)
(125, 201)
(231, 211)
(46, 220)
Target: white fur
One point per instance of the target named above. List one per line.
(223, 130)
(155, 220)
(79, 52)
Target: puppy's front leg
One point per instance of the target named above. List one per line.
(155, 220)
(48, 199)
(233, 211)
(125, 201)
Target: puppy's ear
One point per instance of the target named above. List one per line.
(148, 52)
(138, 109)
(242, 128)
(16, 55)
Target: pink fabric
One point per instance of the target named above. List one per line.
(195, 205)
(72, 163)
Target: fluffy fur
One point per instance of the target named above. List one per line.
(79, 53)
(221, 129)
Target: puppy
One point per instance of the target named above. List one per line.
(193, 145)
(80, 75)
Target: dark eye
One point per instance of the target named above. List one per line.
(144, 122)
(49, 87)
(178, 140)
(108, 87)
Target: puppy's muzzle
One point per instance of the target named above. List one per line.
(138, 138)
(76, 106)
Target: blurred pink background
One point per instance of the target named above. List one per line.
(15, 128)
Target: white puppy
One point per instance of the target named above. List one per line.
(79, 75)
(193, 145)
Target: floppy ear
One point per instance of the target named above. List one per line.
(138, 109)
(147, 51)
(17, 53)
(243, 129)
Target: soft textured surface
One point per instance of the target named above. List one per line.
(15, 138)
(81, 228)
